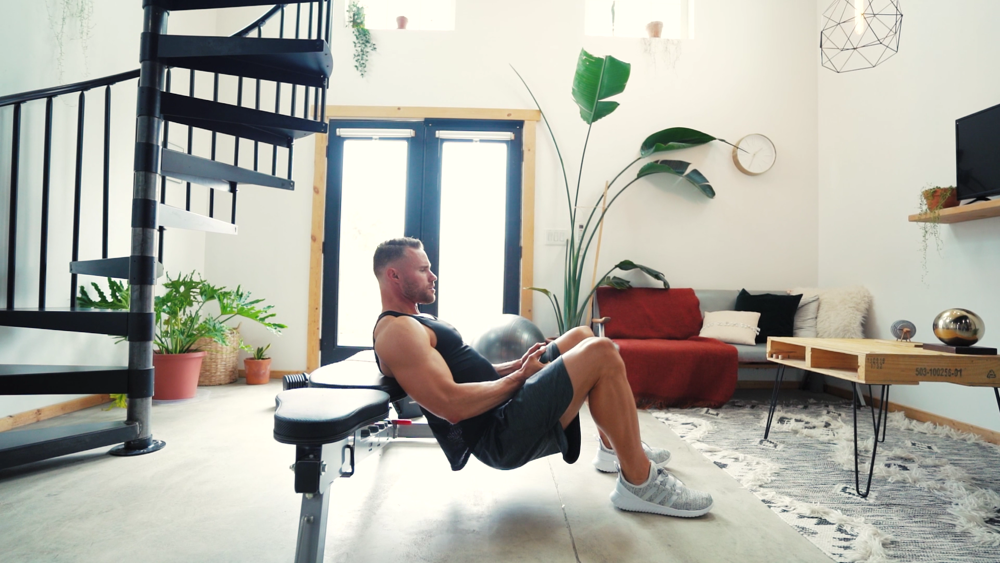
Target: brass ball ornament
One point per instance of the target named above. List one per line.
(959, 327)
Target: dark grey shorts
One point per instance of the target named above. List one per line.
(527, 426)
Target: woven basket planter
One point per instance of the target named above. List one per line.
(219, 365)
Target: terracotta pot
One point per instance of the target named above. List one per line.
(176, 375)
(258, 371)
(401, 22)
(654, 29)
(933, 198)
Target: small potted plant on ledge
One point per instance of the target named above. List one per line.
(258, 366)
(180, 322)
(932, 201)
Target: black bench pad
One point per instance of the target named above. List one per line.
(356, 375)
(323, 416)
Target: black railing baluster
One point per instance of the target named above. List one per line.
(46, 178)
(15, 157)
(187, 200)
(319, 20)
(329, 17)
(107, 169)
(211, 193)
(256, 105)
(277, 99)
(305, 101)
(77, 189)
(236, 141)
(298, 19)
(160, 231)
(290, 162)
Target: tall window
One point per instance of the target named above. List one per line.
(427, 15)
(629, 18)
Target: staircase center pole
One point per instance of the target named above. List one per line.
(142, 271)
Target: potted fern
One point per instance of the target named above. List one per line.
(258, 365)
(180, 321)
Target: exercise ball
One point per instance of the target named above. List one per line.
(507, 338)
(959, 327)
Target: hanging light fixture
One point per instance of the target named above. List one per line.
(859, 34)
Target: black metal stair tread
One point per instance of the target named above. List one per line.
(179, 5)
(246, 123)
(214, 174)
(94, 321)
(37, 369)
(291, 61)
(176, 218)
(18, 447)
(28, 379)
(117, 268)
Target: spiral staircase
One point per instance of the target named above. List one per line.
(297, 61)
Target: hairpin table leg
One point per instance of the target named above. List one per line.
(774, 398)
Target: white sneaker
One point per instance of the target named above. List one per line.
(607, 462)
(661, 494)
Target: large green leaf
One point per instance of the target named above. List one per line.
(672, 139)
(596, 79)
(626, 265)
(681, 169)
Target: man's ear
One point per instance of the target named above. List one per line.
(391, 273)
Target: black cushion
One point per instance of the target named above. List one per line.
(356, 375)
(777, 312)
(323, 416)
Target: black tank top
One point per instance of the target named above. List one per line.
(467, 366)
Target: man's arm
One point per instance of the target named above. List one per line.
(514, 365)
(405, 348)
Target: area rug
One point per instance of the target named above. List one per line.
(934, 496)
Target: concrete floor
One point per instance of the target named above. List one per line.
(221, 491)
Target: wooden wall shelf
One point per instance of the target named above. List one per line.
(969, 212)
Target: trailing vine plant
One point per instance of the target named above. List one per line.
(931, 228)
(70, 20)
(363, 44)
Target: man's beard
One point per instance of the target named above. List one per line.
(419, 294)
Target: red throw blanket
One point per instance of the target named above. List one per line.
(668, 364)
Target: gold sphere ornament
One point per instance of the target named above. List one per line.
(959, 327)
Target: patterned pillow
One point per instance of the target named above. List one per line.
(731, 327)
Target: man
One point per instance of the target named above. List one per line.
(510, 414)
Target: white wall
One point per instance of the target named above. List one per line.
(752, 68)
(27, 44)
(884, 135)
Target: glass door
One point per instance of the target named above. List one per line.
(455, 185)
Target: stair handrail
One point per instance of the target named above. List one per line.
(85, 85)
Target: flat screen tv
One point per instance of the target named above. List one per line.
(977, 143)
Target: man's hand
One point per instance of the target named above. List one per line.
(532, 350)
(531, 364)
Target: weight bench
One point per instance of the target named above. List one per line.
(336, 417)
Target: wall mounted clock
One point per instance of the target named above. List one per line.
(754, 154)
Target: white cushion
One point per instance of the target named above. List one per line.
(732, 327)
(805, 317)
(842, 310)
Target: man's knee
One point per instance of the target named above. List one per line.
(582, 333)
(602, 350)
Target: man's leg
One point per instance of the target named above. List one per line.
(564, 344)
(598, 374)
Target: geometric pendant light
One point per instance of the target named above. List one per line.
(859, 34)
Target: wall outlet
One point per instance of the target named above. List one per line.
(556, 237)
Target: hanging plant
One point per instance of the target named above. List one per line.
(363, 44)
(932, 200)
(70, 20)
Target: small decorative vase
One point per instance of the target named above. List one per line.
(401, 22)
(654, 29)
(258, 371)
(934, 199)
(176, 375)
(959, 327)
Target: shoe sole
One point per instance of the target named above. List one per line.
(631, 503)
(608, 466)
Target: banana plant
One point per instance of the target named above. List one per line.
(596, 80)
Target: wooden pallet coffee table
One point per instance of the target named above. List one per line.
(877, 362)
